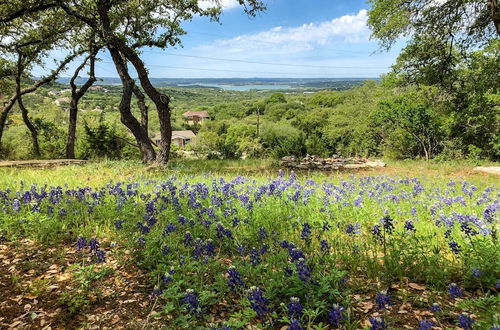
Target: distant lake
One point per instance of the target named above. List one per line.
(240, 88)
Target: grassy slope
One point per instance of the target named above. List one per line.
(101, 172)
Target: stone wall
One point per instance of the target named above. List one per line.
(333, 163)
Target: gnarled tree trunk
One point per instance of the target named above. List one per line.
(141, 103)
(76, 95)
(24, 111)
(126, 116)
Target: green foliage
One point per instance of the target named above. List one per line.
(102, 142)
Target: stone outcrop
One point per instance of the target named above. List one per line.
(333, 163)
(495, 170)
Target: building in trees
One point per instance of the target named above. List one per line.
(196, 117)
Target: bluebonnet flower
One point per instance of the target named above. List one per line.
(188, 239)
(2, 238)
(383, 300)
(220, 230)
(465, 322)
(191, 301)
(258, 302)
(264, 248)
(353, 229)
(306, 232)
(425, 325)
(336, 316)
(235, 222)
(141, 241)
(377, 232)
(151, 221)
(170, 228)
(209, 247)
(435, 308)
(16, 205)
(100, 256)
(377, 323)
(119, 224)
(497, 284)
(144, 229)
(476, 272)
(262, 233)
(255, 257)
(295, 308)
(242, 250)
(454, 290)
(182, 220)
(388, 224)
(81, 243)
(295, 325)
(93, 245)
(325, 247)
(288, 271)
(409, 226)
(295, 254)
(167, 278)
(234, 279)
(455, 247)
(303, 270)
(156, 291)
(166, 250)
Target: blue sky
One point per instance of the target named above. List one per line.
(293, 38)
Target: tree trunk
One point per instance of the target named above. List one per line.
(126, 116)
(31, 127)
(141, 103)
(495, 14)
(117, 48)
(24, 111)
(70, 142)
(3, 119)
(76, 95)
(161, 101)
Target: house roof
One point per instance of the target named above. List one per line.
(178, 135)
(203, 114)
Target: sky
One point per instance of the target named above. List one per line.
(291, 39)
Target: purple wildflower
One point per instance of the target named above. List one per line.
(435, 308)
(425, 325)
(294, 325)
(325, 247)
(81, 243)
(100, 256)
(383, 300)
(234, 280)
(336, 316)
(306, 232)
(303, 270)
(295, 308)
(377, 323)
(409, 226)
(465, 322)
(255, 257)
(119, 224)
(191, 301)
(455, 247)
(16, 205)
(454, 290)
(258, 302)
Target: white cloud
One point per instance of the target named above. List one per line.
(226, 4)
(345, 29)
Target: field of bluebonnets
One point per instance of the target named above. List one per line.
(282, 250)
